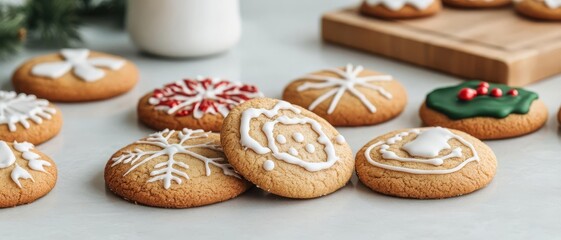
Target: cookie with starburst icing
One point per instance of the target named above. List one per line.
(348, 96)
(27, 118)
(200, 103)
(400, 9)
(540, 9)
(174, 169)
(76, 75)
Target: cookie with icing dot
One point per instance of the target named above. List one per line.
(485, 110)
(426, 163)
(200, 103)
(400, 9)
(285, 149)
(349, 96)
(27, 174)
(477, 3)
(540, 9)
(75, 75)
(26, 118)
(174, 169)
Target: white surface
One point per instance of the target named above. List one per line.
(280, 42)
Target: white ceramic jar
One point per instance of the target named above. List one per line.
(184, 28)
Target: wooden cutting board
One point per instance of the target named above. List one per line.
(492, 45)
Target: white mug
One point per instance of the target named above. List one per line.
(184, 28)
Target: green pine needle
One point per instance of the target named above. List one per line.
(53, 22)
(11, 28)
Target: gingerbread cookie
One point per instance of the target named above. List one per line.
(174, 169)
(485, 110)
(425, 163)
(285, 149)
(540, 9)
(200, 103)
(27, 174)
(349, 96)
(559, 115)
(26, 118)
(75, 75)
(400, 9)
(477, 3)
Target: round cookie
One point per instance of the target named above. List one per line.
(559, 115)
(25, 118)
(75, 75)
(200, 103)
(285, 149)
(477, 3)
(540, 9)
(400, 9)
(425, 163)
(27, 174)
(485, 115)
(174, 169)
(349, 96)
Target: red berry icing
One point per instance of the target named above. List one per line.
(467, 94)
(497, 92)
(202, 96)
(513, 92)
(481, 90)
(484, 84)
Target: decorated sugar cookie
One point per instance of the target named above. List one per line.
(485, 110)
(398, 9)
(540, 9)
(349, 96)
(194, 103)
(75, 75)
(174, 169)
(477, 3)
(25, 118)
(285, 149)
(27, 173)
(425, 163)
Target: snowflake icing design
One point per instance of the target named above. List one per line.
(172, 170)
(34, 161)
(553, 3)
(19, 108)
(201, 96)
(348, 80)
(396, 5)
(77, 59)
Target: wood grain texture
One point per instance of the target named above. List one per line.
(493, 45)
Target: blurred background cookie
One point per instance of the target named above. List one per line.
(400, 9)
(485, 110)
(477, 3)
(540, 9)
(174, 169)
(425, 163)
(75, 75)
(285, 149)
(200, 103)
(27, 174)
(349, 96)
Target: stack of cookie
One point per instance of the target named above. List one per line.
(408, 9)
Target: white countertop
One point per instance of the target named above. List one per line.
(281, 42)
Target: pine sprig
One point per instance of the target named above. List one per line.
(12, 33)
(53, 22)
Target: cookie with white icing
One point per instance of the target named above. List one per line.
(477, 3)
(174, 169)
(349, 96)
(27, 174)
(26, 118)
(75, 75)
(540, 9)
(426, 163)
(485, 110)
(200, 103)
(285, 149)
(400, 9)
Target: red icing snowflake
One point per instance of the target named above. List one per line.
(202, 96)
